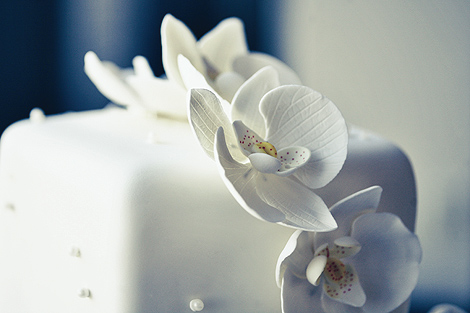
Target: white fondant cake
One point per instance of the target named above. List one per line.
(123, 210)
(131, 210)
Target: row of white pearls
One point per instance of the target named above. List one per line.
(76, 253)
(196, 305)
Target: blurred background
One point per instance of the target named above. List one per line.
(398, 68)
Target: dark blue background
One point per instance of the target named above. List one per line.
(44, 41)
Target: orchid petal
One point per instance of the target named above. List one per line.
(299, 296)
(160, 96)
(247, 138)
(224, 43)
(228, 83)
(142, 67)
(250, 63)
(296, 255)
(241, 179)
(303, 208)
(108, 78)
(298, 115)
(388, 262)
(342, 284)
(345, 247)
(192, 78)
(264, 163)
(292, 158)
(206, 115)
(315, 268)
(245, 104)
(347, 210)
(330, 305)
(177, 39)
(323, 250)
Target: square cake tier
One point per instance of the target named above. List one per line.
(108, 211)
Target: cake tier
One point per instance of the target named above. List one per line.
(107, 211)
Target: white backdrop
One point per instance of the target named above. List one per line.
(402, 69)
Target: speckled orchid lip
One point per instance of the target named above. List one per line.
(265, 157)
(340, 279)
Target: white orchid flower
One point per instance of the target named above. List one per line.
(368, 264)
(219, 61)
(303, 134)
(208, 112)
(136, 88)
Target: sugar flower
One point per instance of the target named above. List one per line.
(219, 61)
(136, 88)
(207, 112)
(368, 264)
(292, 140)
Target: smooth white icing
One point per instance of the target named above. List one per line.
(108, 211)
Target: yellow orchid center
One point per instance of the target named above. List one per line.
(266, 147)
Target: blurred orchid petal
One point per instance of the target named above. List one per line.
(136, 88)
(190, 76)
(109, 80)
(228, 83)
(219, 51)
(217, 56)
(248, 64)
(159, 96)
(178, 39)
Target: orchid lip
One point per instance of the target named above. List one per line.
(289, 158)
(264, 163)
(315, 268)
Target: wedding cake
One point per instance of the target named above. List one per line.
(264, 202)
